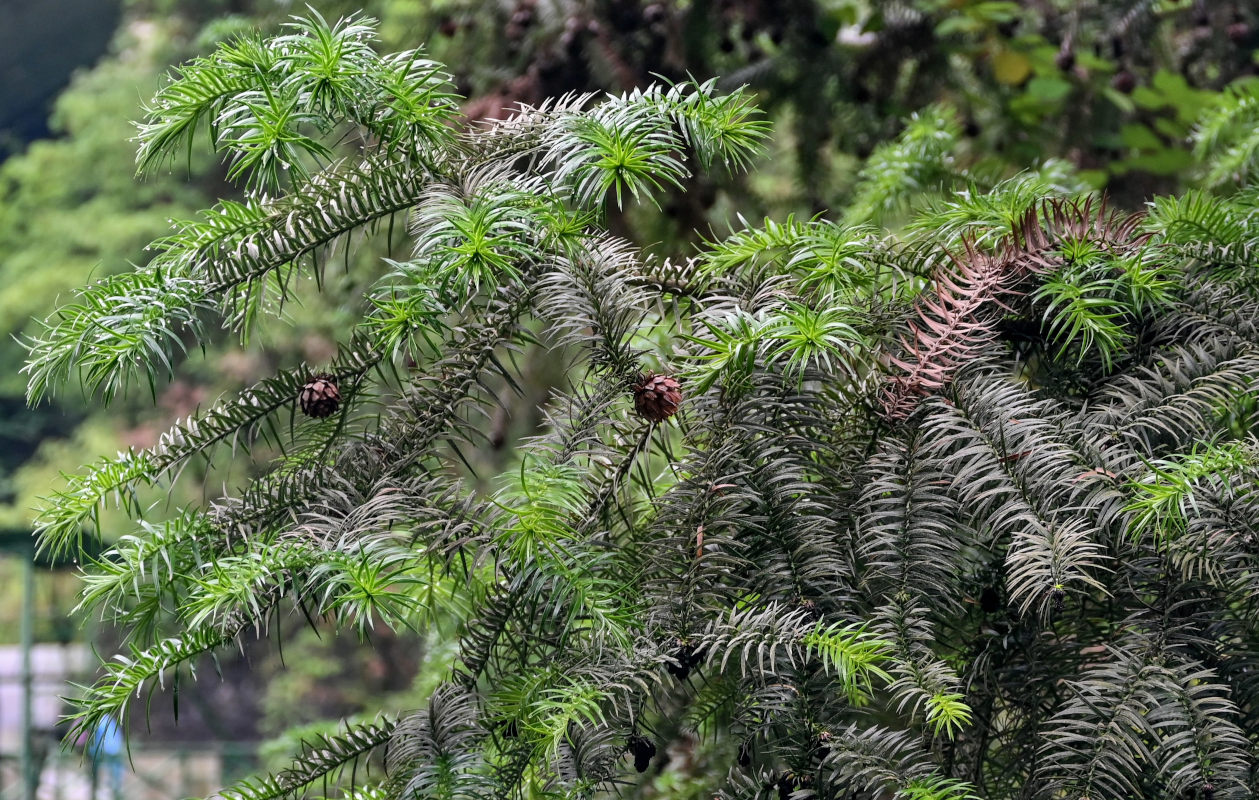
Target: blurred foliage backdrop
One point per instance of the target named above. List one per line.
(1094, 94)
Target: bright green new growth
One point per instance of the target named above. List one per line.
(965, 512)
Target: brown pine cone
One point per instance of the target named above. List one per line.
(320, 397)
(657, 397)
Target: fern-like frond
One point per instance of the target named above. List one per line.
(1161, 408)
(320, 760)
(237, 422)
(1034, 487)
(1134, 709)
(956, 320)
(1226, 137)
(875, 760)
(920, 160)
(129, 677)
(259, 98)
(122, 328)
(985, 215)
(429, 754)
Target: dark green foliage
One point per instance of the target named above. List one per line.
(964, 513)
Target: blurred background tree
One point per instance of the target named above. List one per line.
(1089, 94)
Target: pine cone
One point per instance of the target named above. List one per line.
(320, 397)
(657, 397)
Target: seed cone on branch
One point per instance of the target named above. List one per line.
(657, 397)
(320, 396)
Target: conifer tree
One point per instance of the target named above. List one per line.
(823, 512)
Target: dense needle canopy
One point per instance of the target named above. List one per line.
(963, 511)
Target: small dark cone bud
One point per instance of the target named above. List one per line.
(810, 610)
(657, 397)
(1238, 32)
(1208, 791)
(1124, 81)
(1059, 598)
(687, 656)
(679, 671)
(320, 397)
(643, 750)
(820, 745)
(786, 785)
(1065, 60)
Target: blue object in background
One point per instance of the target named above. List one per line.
(104, 748)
